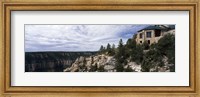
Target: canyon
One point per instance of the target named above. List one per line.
(51, 61)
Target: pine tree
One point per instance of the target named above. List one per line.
(119, 67)
(108, 49)
(129, 43)
(113, 46)
(120, 56)
(137, 54)
(120, 52)
(112, 50)
(145, 45)
(101, 49)
(108, 46)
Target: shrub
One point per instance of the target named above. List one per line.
(137, 54)
(119, 67)
(101, 69)
(166, 46)
(151, 59)
(154, 57)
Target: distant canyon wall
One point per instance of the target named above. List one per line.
(51, 61)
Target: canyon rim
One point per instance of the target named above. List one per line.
(100, 48)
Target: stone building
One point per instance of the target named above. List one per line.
(152, 34)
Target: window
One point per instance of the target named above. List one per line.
(148, 41)
(140, 41)
(157, 33)
(140, 35)
(148, 34)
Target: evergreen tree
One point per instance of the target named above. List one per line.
(119, 67)
(101, 49)
(129, 44)
(151, 59)
(145, 45)
(104, 49)
(113, 46)
(166, 46)
(137, 54)
(120, 57)
(108, 49)
(128, 48)
(120, 52)
(113, 50)
(108, 46)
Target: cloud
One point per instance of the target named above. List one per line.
(75, 37)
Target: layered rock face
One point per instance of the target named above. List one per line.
(86, 64)
(81, 62)
(105, 63)
(99, 63)
(51, 61)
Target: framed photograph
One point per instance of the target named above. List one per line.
(100, 48)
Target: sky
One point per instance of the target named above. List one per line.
(76, 37)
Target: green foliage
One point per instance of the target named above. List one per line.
(129, 47)
(109, 50)
(149, 56)
(120, 54)
(121, 44)
(137, 54)
(119, 67)
(112, 53)
(113, 47)
(102, 49)
(151, 59)
(108, 47)
(130, 44)
(101, 69)
(164, 48)
(145, 45)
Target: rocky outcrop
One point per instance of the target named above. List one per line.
(99, 63)
(93, 63)
(105, 63)
(134, 66)
(82, 62)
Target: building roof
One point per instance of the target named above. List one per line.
(172, 26)
(154, 27)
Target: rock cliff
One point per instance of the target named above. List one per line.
(51, 61)
(99, 63)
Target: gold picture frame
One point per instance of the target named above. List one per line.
(123, 5)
